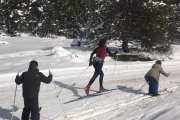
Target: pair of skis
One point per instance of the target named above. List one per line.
(162, 92)
(97, 93)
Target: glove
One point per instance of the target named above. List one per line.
(146, 79)
(50, 73)
(90, 63)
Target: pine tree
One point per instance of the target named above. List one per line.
(138, 20)
(154, 24)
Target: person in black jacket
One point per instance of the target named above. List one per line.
(31, 81)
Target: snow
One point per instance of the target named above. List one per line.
(59, 51)
(39, 24)
(20, 12)
(40, 9)
(4, 42)
(69, 65)
(159, 3)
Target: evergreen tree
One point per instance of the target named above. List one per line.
(155, 24)
(139, 20)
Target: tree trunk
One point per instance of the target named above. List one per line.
(125, 45)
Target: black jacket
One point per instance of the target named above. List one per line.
(31, 81)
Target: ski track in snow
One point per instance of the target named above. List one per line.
(119, 104)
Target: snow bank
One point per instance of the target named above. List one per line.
(59, 52)
(62, 38)
(4, 42)
(152, 56)
(2, 34)
(25, 35)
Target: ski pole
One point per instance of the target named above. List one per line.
(142, 87)
(115, 67)
(84, 71)
(71, 85)
(60, 100)
(14, 99)
(14, 103)
(65, 88)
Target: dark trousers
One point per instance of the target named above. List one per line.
(98, 71)
(153, 86)
(31, 105)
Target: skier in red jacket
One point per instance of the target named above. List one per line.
(97, 62)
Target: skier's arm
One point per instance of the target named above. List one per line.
(46, 79)
(19, 79)
(145, 77)
(90, 60)
(164, 73)
(109, 52)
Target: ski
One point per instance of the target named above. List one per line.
(97, 93)
(162, 92)
(119, 87)
(107, 91)
(165, 89)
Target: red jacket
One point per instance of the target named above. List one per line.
(101, 52)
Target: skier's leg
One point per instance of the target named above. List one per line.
(101, 78)
(35, 109)
(97, 67)
(90, 82)
(150, 85)
(102, 89)
(93, 79)
(150, 88)
(26, 110)
(155, 87)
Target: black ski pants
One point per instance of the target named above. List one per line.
(98, 71)
(31, 105)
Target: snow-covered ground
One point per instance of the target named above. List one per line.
(67, 63)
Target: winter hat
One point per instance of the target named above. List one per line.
(33, 63)
(158, 62)
(106, 42)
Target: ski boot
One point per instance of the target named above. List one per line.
(87, 89)
(102, 89)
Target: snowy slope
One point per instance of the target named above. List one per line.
(67, 63)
